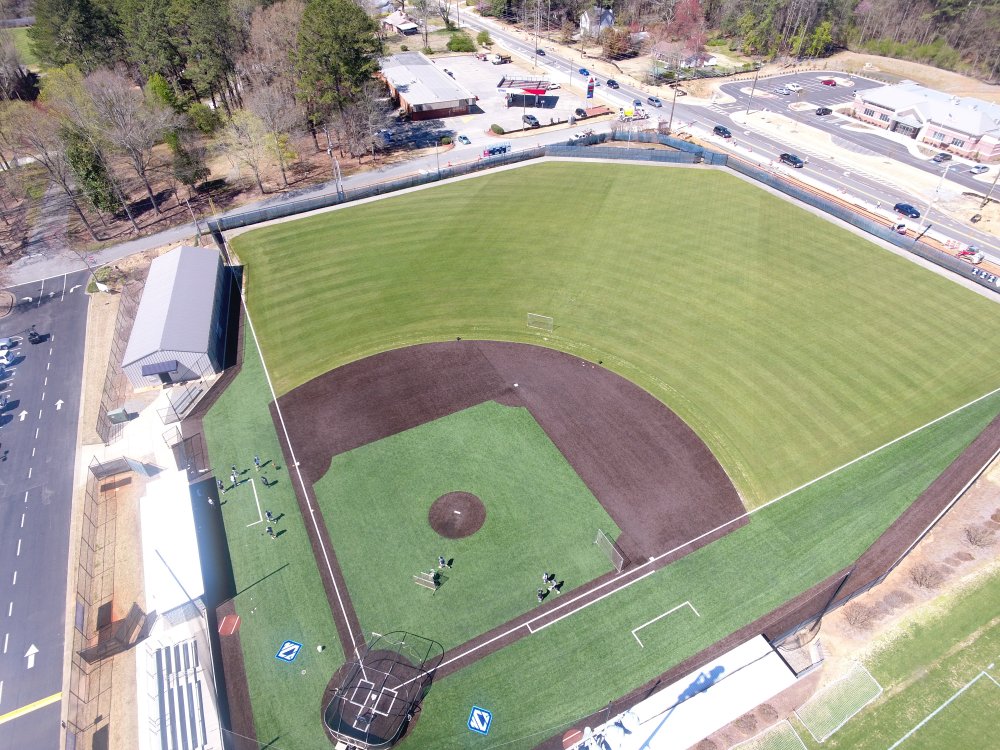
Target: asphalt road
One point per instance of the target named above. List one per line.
(38, 430)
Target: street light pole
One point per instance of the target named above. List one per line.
(936, 195)
(670, 124)
(753, 87)
(987, 198)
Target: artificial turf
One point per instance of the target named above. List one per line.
(540, 517)
(789, 345)
(279, 592)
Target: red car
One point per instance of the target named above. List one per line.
(828, 82)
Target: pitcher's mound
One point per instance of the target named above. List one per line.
(457, 514)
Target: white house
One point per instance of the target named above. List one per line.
(593, 21)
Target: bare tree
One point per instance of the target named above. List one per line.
(365, 118)
(132, 122)
(280, 115)
(38, 135)
(13, 75)
(272, 38)
(244, 141)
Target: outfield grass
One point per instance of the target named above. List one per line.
(540, 517)
(933, 656)
(578, 665)
(281, 596)
(789, 345)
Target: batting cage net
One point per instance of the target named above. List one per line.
(382, 690)
(610, 548)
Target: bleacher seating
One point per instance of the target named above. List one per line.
(178, 716)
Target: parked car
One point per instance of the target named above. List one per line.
(540, 52)
(580, 112)
(553, 86)
(783, 90)
(531, 121)
(792, 160)
(637, 102)
(655, 101)
(722, 131)
(7, 343)
(612, 83)
(5, 357)
(941, 157)
(823, 111)
(794, 87)
(828, 82)
(980, 169)
(906, 210)
(584, 72)
(464, 140)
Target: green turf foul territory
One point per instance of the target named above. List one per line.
(789, 345)
(540, 517)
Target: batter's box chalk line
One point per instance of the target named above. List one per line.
(635, 631)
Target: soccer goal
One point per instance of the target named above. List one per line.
(611, 549)
(541, 322)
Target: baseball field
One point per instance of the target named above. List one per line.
(786, 346)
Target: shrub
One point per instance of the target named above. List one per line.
(979, 535)
(461, 42)
(768, 712)
(484, 38)
(204, 118)
(403, 48)
(446, 141)
(897, 599)
(497, 129)
(747, 723)
(427, 51)
(926, 576)
(859, 615)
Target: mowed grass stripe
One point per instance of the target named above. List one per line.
(789, 346)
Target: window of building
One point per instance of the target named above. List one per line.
(958, 142)
(884, 118)
(938, 135)
(869, 112)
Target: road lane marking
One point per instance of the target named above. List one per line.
(22, 520)
(14, 582)
(5, 639)
(29, 472)
(32, 452)
(46, 380)
(18, 548)
(48, 365)
(43, 395)
(41, 292)
(36, 433)
(10, 609)
(64, 289)
(26, 496)
(19, 712)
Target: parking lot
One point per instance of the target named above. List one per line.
(481, 78)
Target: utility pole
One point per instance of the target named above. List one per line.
(670, 124)
(934, 198)
(987, 198)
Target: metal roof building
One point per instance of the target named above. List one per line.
(425, 91)
(177, 331)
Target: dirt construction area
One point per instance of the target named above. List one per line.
(650, 471)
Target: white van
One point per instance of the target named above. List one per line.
(7, 343)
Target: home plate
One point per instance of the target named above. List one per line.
(229, 625)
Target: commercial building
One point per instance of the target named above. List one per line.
(961, 125)
(425, 91)
(177, 333)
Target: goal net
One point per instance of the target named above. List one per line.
(541, 322)
(611, 549)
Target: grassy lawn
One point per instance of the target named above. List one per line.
(932, 656)
(23, 46)
(540, 516)
(281, 596)
(790, 346)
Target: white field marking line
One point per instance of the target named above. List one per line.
(573, 612)
(260, 517)
(693, 540)
(302, 481)
(944, 705)
(660, 617)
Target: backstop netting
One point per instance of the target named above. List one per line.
(611, 549)
(541, 322)
(381, 691)
(838, 702)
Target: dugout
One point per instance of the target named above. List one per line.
(177, 333)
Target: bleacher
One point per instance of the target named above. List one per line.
(176, 685)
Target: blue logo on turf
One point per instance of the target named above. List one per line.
(288, 651)
(480, 720)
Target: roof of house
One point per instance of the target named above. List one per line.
(965, 114)
(420, 81)
(175, 312)
(598, 16)
(399, 20)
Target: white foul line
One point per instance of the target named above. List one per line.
(260, 516)
(660, 617)
(302, 481)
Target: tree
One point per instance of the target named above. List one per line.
(270, 53)
(189, 166)
(822, 39)
(422, 7)
(149, 42)
(13, 76)
(78, 32)
(38, 135)
(90, 171)
(484, 38)
(133, 123)
(367, 115)
(204, 35)
(279, 115)
(245, 142)
(337, 53)
(461, 42)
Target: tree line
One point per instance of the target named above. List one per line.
(124, 76)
